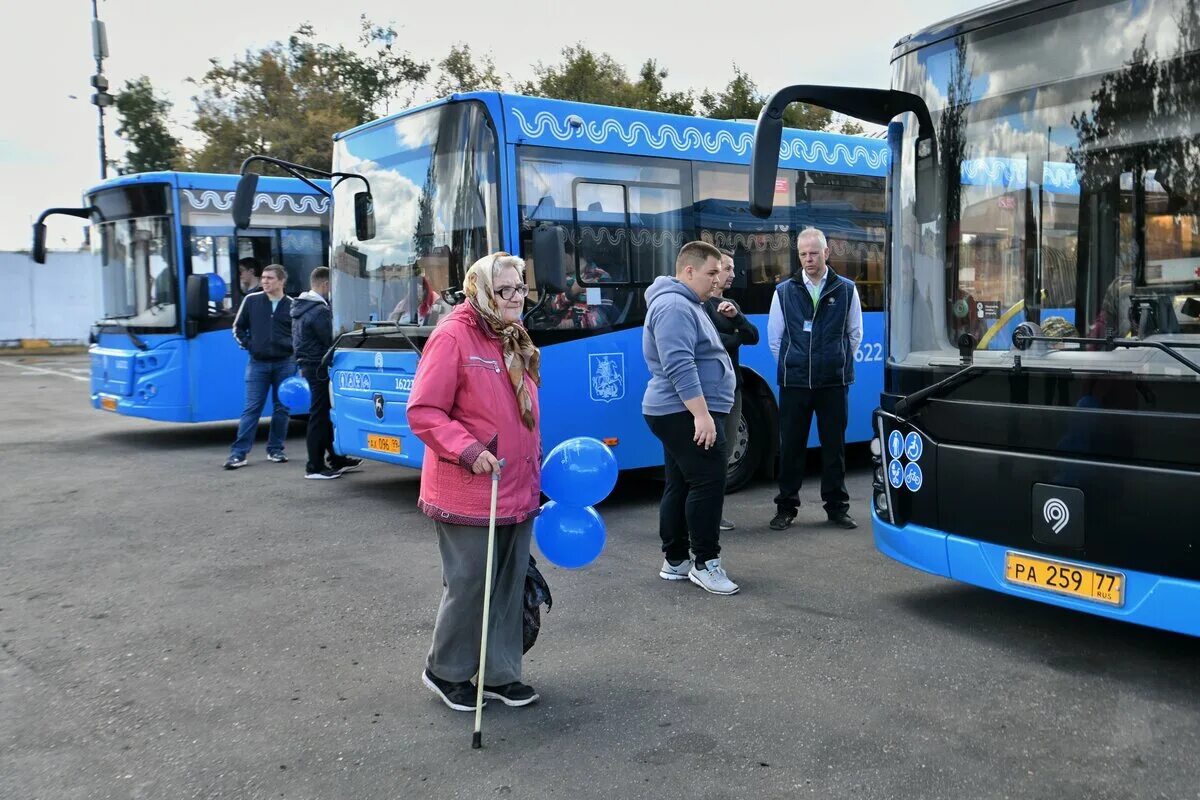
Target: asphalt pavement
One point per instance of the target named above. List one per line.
(169, 629)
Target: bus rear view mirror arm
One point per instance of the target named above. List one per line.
(243, 200)
(879, 106)
(39, 228)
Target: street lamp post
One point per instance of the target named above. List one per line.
(101, 99)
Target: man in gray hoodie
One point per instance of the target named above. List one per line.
(690, 391)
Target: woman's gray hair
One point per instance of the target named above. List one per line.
(812, 233)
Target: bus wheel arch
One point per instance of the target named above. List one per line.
(760, 423)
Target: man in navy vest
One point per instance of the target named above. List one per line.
(814, 329)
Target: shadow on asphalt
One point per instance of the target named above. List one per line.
(1065, 640)
(170, 436)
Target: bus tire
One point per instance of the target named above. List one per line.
(746, 453)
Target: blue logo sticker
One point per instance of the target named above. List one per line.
(895, 444)
(895, 473)
(913, 447)
(913, 477)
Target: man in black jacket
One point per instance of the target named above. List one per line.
(263, 326)
(735, 330)
(312, 336)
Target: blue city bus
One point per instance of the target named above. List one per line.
(598, 201)
(168, 256)
(1039, 429)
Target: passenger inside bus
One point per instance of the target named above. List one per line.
(571, 309)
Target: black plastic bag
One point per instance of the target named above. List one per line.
(537, 592)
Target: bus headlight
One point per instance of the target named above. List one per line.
(881, 503)
(879, 476)
(876, 447)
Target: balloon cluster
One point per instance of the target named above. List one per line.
(576, 475)
(295, 394)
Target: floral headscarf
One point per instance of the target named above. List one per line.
(520, 356)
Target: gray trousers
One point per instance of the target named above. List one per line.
(454, 655)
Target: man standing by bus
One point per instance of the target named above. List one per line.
(814, 329)
(312, 336)
(689, 393)
(263, 326)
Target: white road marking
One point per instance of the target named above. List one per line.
(42, 370)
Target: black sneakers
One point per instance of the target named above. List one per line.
(458, 695)
(843, 520)
(323, 475)
(347, 464)
(781, 521)
(511, 694)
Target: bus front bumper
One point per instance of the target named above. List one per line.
(1171, 604)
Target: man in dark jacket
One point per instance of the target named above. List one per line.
(734, 330)
(814, 329)
(263, 326)
(312, 336)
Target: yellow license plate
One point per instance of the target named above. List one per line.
(1065, 577)
(383, 444)
(108, 403)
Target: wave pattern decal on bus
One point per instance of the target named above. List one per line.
(686, 141)
(223, 201)
(638, 238)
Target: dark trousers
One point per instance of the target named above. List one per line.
(695, 490)
(262, 380)
(320, 429)
(796, 409)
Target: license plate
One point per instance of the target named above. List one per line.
(383, 444)
(108, 403)
(1065, 577)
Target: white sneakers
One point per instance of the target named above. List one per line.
(710, 576)
(675, 572)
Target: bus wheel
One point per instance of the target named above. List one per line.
(746, 450)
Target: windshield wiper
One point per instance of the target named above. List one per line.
(910, 403)
(1024, 337)
(133, 337)
(382, 323)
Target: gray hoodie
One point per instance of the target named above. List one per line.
(683, 351)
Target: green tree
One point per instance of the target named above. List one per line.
(740, 99)
(142, 123)
(289, 99)
(589, 77)
(461, 73)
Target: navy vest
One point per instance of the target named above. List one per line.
(823, 357)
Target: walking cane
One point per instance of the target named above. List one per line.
(477, 737)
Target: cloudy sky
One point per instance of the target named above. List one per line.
(48, 137)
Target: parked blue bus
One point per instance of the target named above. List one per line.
(598, 201)
(168, 259)
(1039, 429)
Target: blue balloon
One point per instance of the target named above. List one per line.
(579, 472)
(295, 394)
(569, 536)
(217, 289)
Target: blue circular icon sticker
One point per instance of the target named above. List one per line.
(895, 444)
(913, 477)
(913, 446)
(895, 473)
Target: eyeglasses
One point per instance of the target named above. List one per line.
(508, 292)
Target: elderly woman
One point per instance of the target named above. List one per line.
(474, 403)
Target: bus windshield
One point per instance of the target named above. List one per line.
(433, 178)
(1069, 190)
(137, 272)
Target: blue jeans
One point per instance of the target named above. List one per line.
(261, 378)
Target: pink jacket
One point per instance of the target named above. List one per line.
(462, 402)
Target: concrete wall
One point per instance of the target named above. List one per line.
(56, 301)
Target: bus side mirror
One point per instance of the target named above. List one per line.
(364, 216)
(39, 243)
(243, 200)
(549, 259)
(197, 297)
